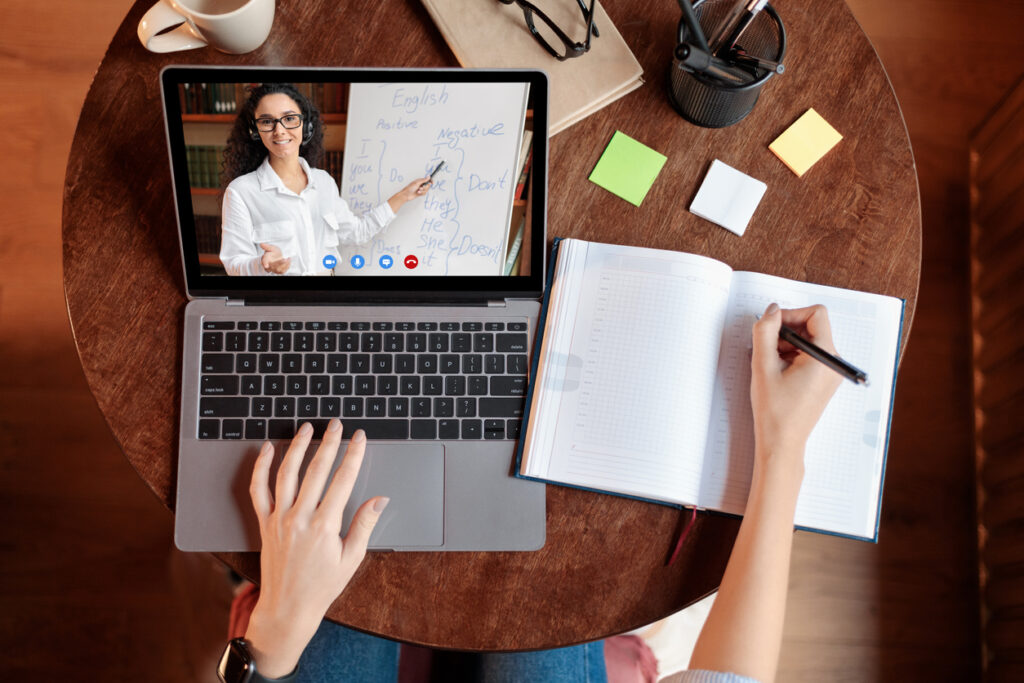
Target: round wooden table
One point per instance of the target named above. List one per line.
(852, 221)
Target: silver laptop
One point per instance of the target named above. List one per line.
(328, 278)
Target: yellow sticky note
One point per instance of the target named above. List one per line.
(805, 142)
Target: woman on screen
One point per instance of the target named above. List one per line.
(282, 215)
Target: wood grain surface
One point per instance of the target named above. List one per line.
(852, 221)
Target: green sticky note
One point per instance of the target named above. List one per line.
(628, 168)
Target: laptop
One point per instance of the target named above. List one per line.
(393, 283)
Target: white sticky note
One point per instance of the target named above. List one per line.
(728, 197)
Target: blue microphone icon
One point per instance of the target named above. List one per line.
(358, 262)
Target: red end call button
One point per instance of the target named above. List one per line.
(411, 261)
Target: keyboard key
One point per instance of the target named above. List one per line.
(433, 385)
(376, 406)
(383, 326)
(359, 363)
(477, 385)
(337, 363)
(281, 341)
(462, 342)
(262, 406)
(307, 406)
(326, 342)
(224, 385)
(421, 407)
(494, 364)
(330, 407)
(518, 364)
(314, 363)
(248, 325)
(472, 429)
(405, 327)
(269, 326)
(426, 327)
(292, 325)
(409, 386)
(454, 385)
(252, 385)
(512, 428)
(377, 429)
(270, 363)
(360, 326)
(501, 407)
(508, 386)
(245, 363)
(387, 385)
(483, 342)
(316, 326)
(213, 341)
(273, 385)
(426, 363)
(284, 407)
(341, 385)
(366, 385)
(280, 429)
(447, 429)
(256, 429)
(517, 327)
(353, 406)
(291, 363)
(398, 407)
(218, 406)
(450, 326)
(217, 363)
(512, 343)
(394, 342)
(437, 342)
(297, 385)
(416, 342)
(472, 327)
(348, 341)
(423, 429)
(337, 326)
(494, 327)
(494, 429)
(444, 407)
(319, 427)
(234, 341)
(259, 341)
(405, 363)
(218, 325)
(371, 341)
(231, 429)
(465, 407)
(472, 364)
(319, 385)
(382, 363)
(303, 341)
(449, 363)
(209, 429)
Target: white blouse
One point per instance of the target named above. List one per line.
(306, 227)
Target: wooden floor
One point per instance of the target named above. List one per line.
(91, 588)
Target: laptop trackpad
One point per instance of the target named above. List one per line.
(413, 478)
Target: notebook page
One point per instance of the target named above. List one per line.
(628, 406)
(845, 454)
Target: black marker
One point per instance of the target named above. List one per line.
(432, 174)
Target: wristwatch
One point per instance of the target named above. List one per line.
(237, 665)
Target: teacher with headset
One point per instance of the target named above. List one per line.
(282, 215)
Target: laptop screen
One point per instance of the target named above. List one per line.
(351, 184)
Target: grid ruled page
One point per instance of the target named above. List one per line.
(846, 451)
(627, 403)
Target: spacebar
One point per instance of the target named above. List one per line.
(376, 429)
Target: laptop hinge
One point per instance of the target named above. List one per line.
(234, 302)
(497, 304)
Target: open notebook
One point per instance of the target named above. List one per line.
(641, 385)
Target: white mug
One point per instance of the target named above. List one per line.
(232, 26)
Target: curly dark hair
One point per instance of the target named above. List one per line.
(244, 155)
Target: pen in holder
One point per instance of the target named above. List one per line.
(713, 91)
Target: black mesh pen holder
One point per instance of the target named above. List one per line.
(712, 102)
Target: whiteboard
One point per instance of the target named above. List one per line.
(397, 132)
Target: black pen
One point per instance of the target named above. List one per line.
(817, 353)
(433, 173)
(734, 25)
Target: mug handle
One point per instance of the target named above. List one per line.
(160, 17)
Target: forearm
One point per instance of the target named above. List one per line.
(743, 632)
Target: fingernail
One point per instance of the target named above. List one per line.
(772, 309)
(306, 429)
(380, 504)
(265, 448)
(359, 436)
(334, 425)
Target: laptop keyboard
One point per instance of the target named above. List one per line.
(395, 380)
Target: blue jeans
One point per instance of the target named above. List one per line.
(340, 654)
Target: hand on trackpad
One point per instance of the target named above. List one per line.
(412, 476)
